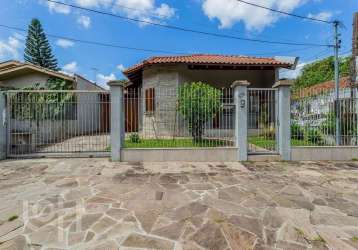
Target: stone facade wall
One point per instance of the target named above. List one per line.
(161, 122)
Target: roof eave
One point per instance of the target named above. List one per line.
(277, 65)
(289, 60)
(37, 69)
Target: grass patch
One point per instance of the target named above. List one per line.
(319, 239)
(300, 231)
(12, 218)
(354, 159)
(219, 221)
(355, 239)
(176, 143)
(263, 142)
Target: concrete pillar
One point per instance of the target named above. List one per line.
(356, 69)
(117, 121)
(355, 103)
(240, 99)
(284, 118)
(3, 137)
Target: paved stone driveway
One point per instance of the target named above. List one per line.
(95, 204)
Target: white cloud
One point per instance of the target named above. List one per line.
(102, 79)
(93, 3)
(9, 49)
(324, 15)
(165, 11)
(59, 8)
(254, 18)
(84, 21)
(144, 9)
(63, 43)
(70, 68)
(121, 67)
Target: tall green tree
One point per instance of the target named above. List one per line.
(38, 50)
(321, 71)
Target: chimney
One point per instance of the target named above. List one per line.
(354, 76)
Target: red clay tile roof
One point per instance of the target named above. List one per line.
(323, 87)
(209, 59)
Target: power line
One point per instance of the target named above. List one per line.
(283, 51)
(309, 60)
(188, 29)
(104, 44)
(98, 43)
(317, 57)
(157, 16)
(285, 13)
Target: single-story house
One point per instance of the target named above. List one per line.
(87, 114)
(156, 80)
(19, 75)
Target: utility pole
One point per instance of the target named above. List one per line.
(354, 69)
(337, 45)
(95, 70)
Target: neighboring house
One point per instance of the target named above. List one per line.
(158, 79)
(18, 75)
(311, 105)
(83, 115)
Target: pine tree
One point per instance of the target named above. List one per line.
(38, 50)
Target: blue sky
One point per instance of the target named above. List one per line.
(227, 17)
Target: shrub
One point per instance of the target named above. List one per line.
(296, 132)
(329, 125)
(347, 121)
(198, 104)
(313, 135)
(134, 138)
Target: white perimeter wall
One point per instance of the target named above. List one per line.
(341, 153)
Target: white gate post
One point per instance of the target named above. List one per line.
(355, 105)
(117, 122)
(240, 99)
(284, 118)
(355, 96)
(3, 137)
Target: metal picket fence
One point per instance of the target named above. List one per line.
(173, 117)
(44, 122)
(262, 112)
(314, 113)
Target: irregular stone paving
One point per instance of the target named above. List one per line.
(96, 204)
